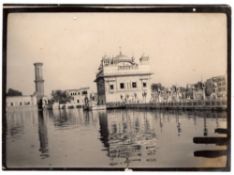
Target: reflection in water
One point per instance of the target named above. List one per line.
(179, 130)
(217, 121)
(43, 135)
(122, 138)
(128, 138)
(195, 120)
(18, 122)
(205, 127)
(70, 119)
(160, 122)
(61, 119)
(88, 118)
(15, 124)
(104, 129)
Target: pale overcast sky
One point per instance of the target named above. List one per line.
(183, 48)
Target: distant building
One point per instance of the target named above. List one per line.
(78, 95)
(121, 79)
(189, 91)
(216, 87)
(157, 90)
(25, 101)
(170, 94)
(181, 93)
(199, 91)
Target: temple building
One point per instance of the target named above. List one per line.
(121, 79)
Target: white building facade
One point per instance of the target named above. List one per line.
(121, 79)
(25, 101)
(78, 96)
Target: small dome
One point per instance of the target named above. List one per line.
(144, 58)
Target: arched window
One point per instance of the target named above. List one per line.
(144, 84)
(121, 85)
(134, 85)
(111, 87)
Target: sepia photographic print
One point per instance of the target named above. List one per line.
(115, 87)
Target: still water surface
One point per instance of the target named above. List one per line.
(117, 138)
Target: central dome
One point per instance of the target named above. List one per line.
(122, 58)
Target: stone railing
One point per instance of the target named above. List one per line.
(185, 104)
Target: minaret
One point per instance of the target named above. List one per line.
(39, 82)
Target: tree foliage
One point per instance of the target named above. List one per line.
(210, 88)
(199, 86)
(189, 93)
(156, 87)
(13, 92)
(60, 96)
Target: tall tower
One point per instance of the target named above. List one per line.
(39, 82)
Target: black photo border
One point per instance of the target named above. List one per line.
(117, 8)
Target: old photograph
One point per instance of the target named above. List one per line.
(97, 87)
